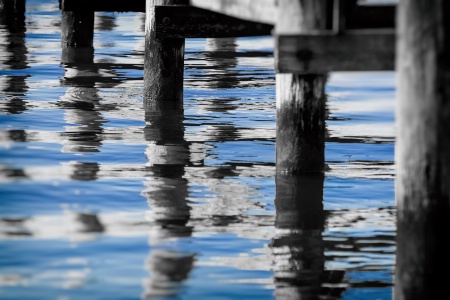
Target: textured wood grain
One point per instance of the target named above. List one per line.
(163, 63)
(77, 29)
(192, 22)
(361, 50)
(300, 144)
(263, 11)
(423, 150)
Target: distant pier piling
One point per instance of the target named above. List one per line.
(423, 150)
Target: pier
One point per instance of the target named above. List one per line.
(313, 38)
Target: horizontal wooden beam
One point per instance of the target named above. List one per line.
(262, 11)
(103, 5)
(371, 16)
(179, 21)
(323, 52)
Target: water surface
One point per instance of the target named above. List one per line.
(100, 199)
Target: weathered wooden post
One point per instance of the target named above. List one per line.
(12, 13)
(163, 62)
(301, 98)
(77, 28)
(423, 150)
(12, 22)
(77, 31)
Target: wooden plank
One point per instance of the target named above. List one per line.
(262, 11)
(192, 22)
(103, 5)
(357, 50)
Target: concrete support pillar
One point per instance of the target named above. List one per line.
(301, 99)
(163, 63)
(423, 149)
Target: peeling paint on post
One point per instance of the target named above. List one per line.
(163, 63)
(300, 144)
(423, 150)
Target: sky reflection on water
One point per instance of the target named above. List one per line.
(101, 199)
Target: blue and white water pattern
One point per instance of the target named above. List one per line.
(101, 200)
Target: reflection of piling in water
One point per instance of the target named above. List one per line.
(81, 101)
(168, 270)
(16, 87)
(168, 154)
(14, 54)
(85, 222)
(83, 171)
(166, 193)
(221, 59)
(298, 247)
(105, 22)
(12, 22)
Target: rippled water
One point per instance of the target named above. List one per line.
(102, 200)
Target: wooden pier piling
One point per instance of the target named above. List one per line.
(77, 33)
(423, 150)
(12, 13)
(163, 62)
(77, 28)
(300, 144)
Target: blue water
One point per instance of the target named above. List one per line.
(98, 200)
